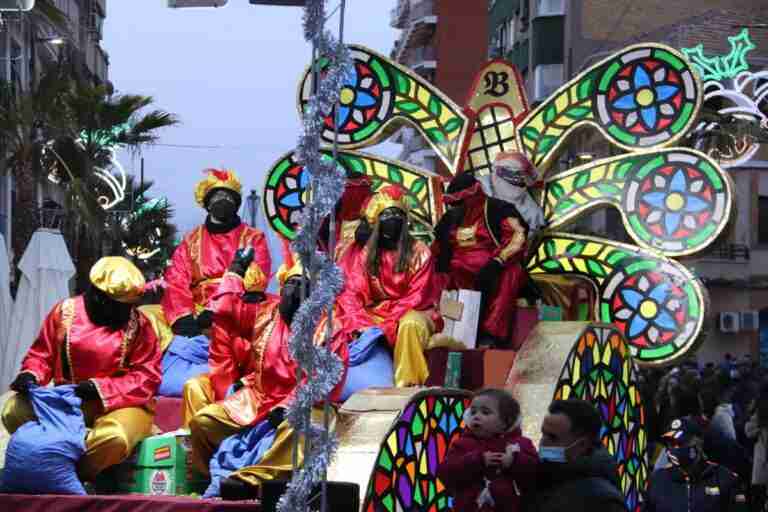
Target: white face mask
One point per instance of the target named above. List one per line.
(555, 453)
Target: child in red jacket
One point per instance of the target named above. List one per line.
(491, 465)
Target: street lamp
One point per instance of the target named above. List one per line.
(252, 205)
(55, 40)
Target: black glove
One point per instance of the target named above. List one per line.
(488, 278)
(363, 232)
(237, 386)
(276, 417)
(205, 319)
(254, 297)
(451, 218)
(241, 261)
(23, 382)
(186, 326)
(86, 390)
(443, 264)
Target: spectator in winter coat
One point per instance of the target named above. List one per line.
(690, 482)
(757, 429)
(576, 473)
(491, 465)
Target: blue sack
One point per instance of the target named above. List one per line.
(370, 363)
(42, 455)
(184, 359)
(246, 448)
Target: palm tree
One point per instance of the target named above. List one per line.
(27, 120)
(28, 115)
(140, 228)
(82, 153)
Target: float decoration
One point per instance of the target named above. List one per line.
(642, 97)
(404, 476)
(379, 95)
(655, 302)
(673, 200)
(600, 370)
(285, 189)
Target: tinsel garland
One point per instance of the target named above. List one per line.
(323, 369)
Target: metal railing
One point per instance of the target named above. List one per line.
(730, 252)
(398, 16)
(420, 54)
(422, 9)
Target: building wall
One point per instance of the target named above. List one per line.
(461, 39)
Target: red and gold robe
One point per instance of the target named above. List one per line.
(474, 245)
(390, 295)
(124, 364)
(258, 337)
(200, 261)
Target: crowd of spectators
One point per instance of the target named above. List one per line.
(718, 410)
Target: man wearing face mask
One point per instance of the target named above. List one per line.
(103, 344)
(576, 473)
(480, 243)
(199, 262)
(399, 287)
(690, 482)
(266, 373)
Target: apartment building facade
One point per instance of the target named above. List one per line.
(27, 45)
(445, 41)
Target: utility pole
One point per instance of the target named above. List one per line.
(141, 179)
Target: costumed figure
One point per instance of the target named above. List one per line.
(482, 239)
(200, 261)
(400, 289)
(250, 356)
(103, 344)
(349, 208)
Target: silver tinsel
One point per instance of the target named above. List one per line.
(322, 368)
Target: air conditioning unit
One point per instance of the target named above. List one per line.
(728, 322)
(16, 5)
(749, 321)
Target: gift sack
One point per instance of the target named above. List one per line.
(42, 455)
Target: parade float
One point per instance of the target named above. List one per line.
(644, 307)
(648, 309)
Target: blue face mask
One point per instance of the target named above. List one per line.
(555, 453)
(552, 454)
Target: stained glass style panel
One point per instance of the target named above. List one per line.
(600, 370)
(405, 474)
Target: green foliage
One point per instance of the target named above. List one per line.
(64, 129)
(142, 229)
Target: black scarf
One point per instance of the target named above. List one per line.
(223, 227)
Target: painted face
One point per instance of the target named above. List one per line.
(104, 311)
(391, 225)
(222, 204)
(483, 417)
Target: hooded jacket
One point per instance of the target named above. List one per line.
(587, 484)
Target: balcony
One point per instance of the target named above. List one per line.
(398, 17)
(418, 29)
(421, 58)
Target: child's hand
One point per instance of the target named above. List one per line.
(509, 455)
(492, 459)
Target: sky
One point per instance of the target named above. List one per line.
(230, 74)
